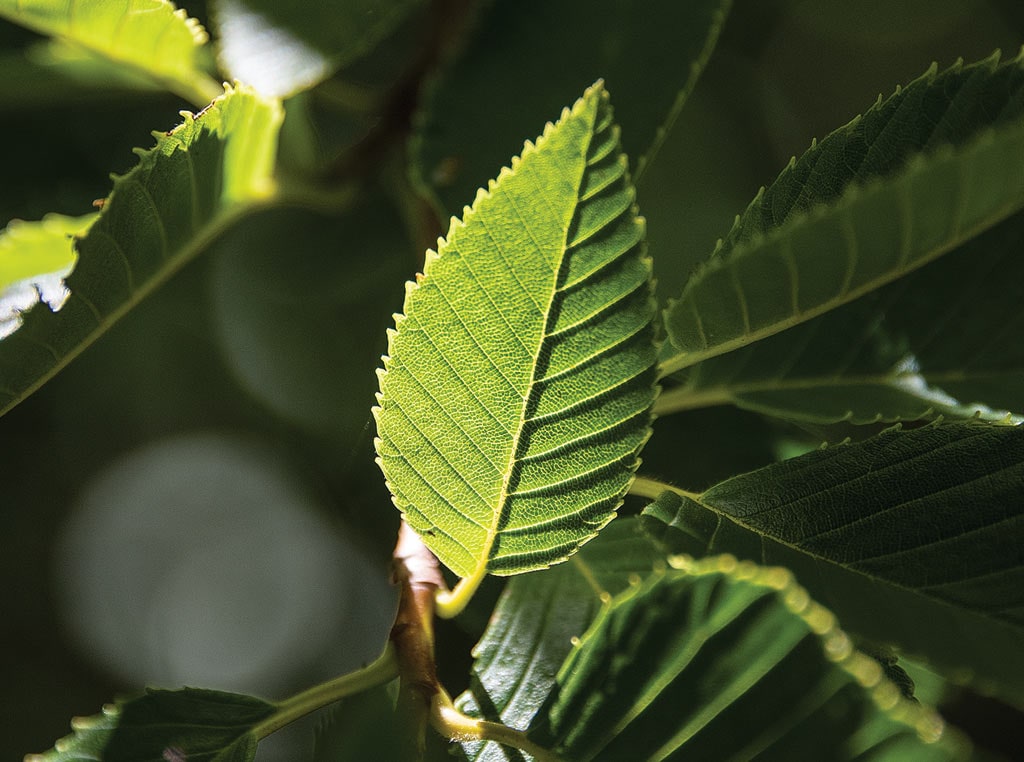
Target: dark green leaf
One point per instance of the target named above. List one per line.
(649, 53)
(166, 726)
(936, 342)
(912, 537)
(729, 661)
(916, 176)
(535, 622)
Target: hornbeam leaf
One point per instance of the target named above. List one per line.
(916, 176)
(536, 622)
(190, 724)
(151, 36)
(199, 178)
(912, 537)
(727, 660)
(518, 386)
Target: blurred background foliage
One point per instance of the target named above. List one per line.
(194, 500)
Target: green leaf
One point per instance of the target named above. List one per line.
(916, 176)
(193, 724)
(911, 537)
(34, 259)
(729, 661)
(148, 35)
(535, 623)
(199, 178)
(518, 386)
(281, 48)
(650, 54)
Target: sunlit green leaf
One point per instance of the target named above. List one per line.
(283, 47)
(535, 623)
(517, 390)
(911, 537)
(196, 180)
(35, 257)
(729, 661)
(150, 35)
(917, 175)
(650, 54)
(190, 724)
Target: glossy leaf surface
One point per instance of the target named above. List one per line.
(729, 661)
(917, 175)
(535, 623)
(517, 389)
(906, 528)
(198, 178)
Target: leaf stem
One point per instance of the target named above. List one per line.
(644, 486)
(450, 603)
(683, 398)
(380, 671)
(456, 726)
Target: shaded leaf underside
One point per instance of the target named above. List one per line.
(911, 537)
(518, 384)
(916, 176)
(193, 724)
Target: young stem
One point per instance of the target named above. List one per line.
(643, 486)
(456, 726)
(382, 670)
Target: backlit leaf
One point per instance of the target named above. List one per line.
(149, 35)
(517, 390)
(35, 257)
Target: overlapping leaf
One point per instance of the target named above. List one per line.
(911, 537)
(729, 661)
(34, 259)
(535, 623)
(518, 386)
(193, 724)
(149, 35)
(937, 342)
(281, 48)
(197, 179)
(916, 176)
(650, 53)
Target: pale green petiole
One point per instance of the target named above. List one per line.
(380, 671)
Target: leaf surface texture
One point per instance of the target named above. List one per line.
(729, 661)
(517, 388)
(908, 527)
